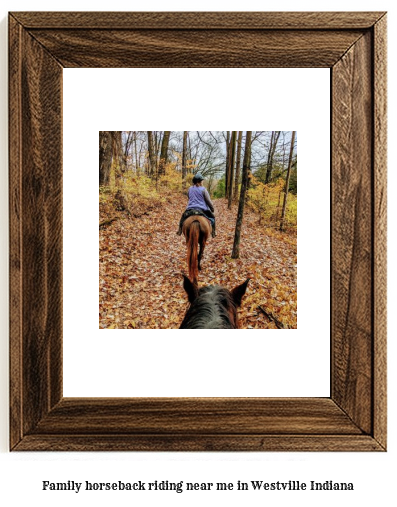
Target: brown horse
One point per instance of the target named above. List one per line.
(196, 230)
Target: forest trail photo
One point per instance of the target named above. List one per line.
(142, 260)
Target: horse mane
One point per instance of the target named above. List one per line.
(212, 309)
(192, 260)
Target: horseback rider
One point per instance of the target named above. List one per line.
(199, 199)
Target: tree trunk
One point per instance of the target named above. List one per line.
(272, 149)
(119, 160)
(137, 161)
(164, 152)
(287, 181)
(249, 175)
(238, 161)
(128, 148)
(152, 154)
(190, 149)
(231, 170)
(244, 185)
(157, 141)
(227, 163)
(184, 159)
(105, 157)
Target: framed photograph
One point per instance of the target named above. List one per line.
(353, 46)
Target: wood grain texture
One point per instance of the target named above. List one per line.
(200, 20)
(354, 46)
(380, 230)
(196, 48)
(352, 258)
(41, 83)
(301, 416)
(36, 254)
(205, 443)
(15, 227)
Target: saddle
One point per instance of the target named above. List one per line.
(194, 211)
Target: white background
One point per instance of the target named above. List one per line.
(243, 363)
(373, 474)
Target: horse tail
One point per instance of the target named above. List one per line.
(192, 247)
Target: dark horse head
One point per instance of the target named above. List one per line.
(212, 307)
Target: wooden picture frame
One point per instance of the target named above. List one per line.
(353, 46)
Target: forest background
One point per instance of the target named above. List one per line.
(252, 179)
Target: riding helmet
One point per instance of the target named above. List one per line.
(198, 177)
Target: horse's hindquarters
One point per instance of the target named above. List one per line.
(205, 225)
(196, 230)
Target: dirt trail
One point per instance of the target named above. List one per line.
(142, 259)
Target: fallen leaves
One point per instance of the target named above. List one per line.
(142, 261)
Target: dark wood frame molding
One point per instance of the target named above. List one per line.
(353, 46)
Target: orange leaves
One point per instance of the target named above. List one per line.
(142, 259)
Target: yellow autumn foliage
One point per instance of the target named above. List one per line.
(140, 189)
(267, 202)
(129, 193)
(171, 180)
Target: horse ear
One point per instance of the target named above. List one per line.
(239, 291)
(190, 288)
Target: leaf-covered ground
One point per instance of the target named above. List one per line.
(141, 261)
